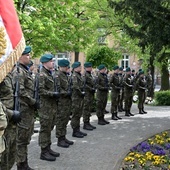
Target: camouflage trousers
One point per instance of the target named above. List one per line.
(88, 100)
(77, 106)
(114, 100)
(128, 98)
(141, 98)
(9, 155)
(62, 117)
(101, 102)
(24, 132)
(47, 114)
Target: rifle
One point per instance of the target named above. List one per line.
(16, 91)
(36, 95)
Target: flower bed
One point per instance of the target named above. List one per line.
(151, 154)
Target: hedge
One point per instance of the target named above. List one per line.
(162, 98)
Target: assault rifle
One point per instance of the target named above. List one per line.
(16, 91)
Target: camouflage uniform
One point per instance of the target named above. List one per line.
(141, 87)
(77, 103)
(64, 107)
(7, 98)
(88, 100)
(27, 103)
(3, 124)
(149, 84)
(128, 94)
(101, 96)
(115, 85)
(121, 94)
(48, 107)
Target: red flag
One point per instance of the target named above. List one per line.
(12, 42)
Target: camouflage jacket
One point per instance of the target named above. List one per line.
(115, 82)
(26, 84)
(141, 83)
(128, 83)
(102, 82)
(89, 82)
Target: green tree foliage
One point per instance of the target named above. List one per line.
(103, 55)
(149, 22)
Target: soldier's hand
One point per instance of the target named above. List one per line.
(56, 94)
(83, 93)
(36, 106)
(16, 116)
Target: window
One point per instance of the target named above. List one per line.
(125, 61)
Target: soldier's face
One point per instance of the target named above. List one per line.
(49, 65)
(25, 59)
(89, 69)
(78, 69)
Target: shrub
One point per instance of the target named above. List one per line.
(162, 98)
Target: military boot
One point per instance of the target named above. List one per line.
(127, 113)
(76, 133)
(22, 166)
(101, 121)
(140, 111)
(144, 111)
(87, 126)
(120, 109)
(45, 155)
(62, 143)
(69, 141)
(106, 122)
(83, 133)
(92, 126)
(53, 153)
(114, 116)
(117, 116)
(130, 113)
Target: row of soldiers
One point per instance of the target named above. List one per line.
(55, 94)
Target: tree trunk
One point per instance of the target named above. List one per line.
(152, 69)
(164, 75)
(76, 56)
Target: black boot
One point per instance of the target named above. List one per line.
(45, 155)
(127, 113)
(101, 121)
(114, 116)
(22, 165)
(105, 120)
(87, 126)
(120, 109)
(92, 126)
(140, 111)
(53, 153)
(77, 134)
(130, 113)
(144, 111)
(62, 143)
(83, 133)
(117, 116)
(69, 141)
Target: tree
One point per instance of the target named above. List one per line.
(103, 55)
(149, 22)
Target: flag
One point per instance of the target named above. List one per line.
(12, 42)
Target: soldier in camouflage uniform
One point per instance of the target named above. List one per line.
(3, 124)
(78, 94)
(64, 104)
(121, 95)
(141, 85)
(102, 94)
(27, 106)
(89, 96)
(48, 107)
(7, 98)
(128, 91)
(115, 85)
(149, 83)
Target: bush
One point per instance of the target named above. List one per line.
(162, 98)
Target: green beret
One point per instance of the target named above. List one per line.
(115, 67)
(121, 68)
(63, 63)
(87, 64)
(30, 64)
(27, 50)
(133, 71)
(101, 66)
(46, 57)
(141, 72)
(76, 64)
(128, 69)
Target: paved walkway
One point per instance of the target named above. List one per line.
(105, 147)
